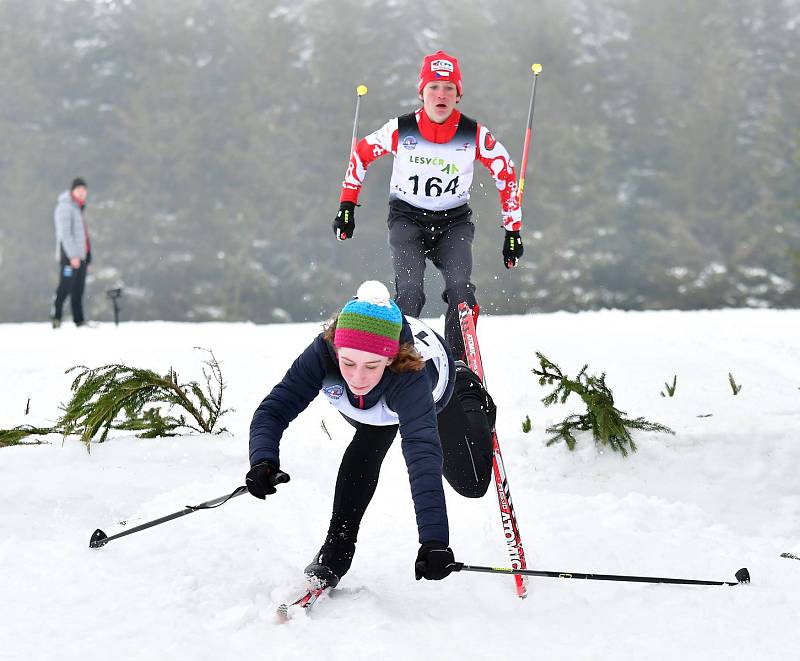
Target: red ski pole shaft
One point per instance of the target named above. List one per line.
(537, 69)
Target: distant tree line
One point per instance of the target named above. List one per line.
(214, 137)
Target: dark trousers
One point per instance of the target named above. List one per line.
(71, 283)
(466, 448)
(445, 238)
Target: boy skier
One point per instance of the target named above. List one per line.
(429, 215)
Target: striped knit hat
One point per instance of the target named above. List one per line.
(370, 322)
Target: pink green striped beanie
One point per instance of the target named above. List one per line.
(370, 322)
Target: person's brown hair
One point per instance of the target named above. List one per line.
(407, 359)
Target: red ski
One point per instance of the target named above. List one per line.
(301, 604)
(507, 516)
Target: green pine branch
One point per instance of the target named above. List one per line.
(608, 424)
(128, 398)
(670, 388)
(16, 436)
(735, 387)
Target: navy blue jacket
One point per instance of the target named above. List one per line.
(408, 394)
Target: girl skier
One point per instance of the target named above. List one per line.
(382, 371)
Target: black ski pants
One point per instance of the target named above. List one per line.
(71, 283)
(466, 438)
(445, 238)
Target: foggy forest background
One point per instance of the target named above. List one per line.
(214, 136)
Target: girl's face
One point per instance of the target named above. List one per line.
(361, 370)
(439, 98)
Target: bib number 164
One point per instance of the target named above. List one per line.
(433, 186)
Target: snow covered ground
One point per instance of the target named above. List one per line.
(721, 494)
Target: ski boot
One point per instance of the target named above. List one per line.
(329, 565)
(473, 395)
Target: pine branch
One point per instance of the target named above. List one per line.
(215, 410)
(670, 388)
(9, 437)
(116, 396)
(608, 424)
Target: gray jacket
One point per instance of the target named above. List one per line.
(70, 228)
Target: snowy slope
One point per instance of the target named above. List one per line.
(722, 494)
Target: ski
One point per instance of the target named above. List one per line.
(302, 604)
(507, 516)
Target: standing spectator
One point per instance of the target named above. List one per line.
(73, 251)
(434, 149)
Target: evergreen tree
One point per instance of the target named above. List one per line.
(663, 170)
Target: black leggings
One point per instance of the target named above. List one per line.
(467, 451)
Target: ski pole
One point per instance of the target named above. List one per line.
(537, 69)
(99, 538)
(742, 576)
(361, 90)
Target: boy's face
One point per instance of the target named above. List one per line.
(439, 99)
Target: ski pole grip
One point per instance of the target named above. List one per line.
(457, 566)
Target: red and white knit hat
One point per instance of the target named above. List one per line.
(440, 67)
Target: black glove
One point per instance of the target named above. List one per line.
(262, 478)
(345, 222)
(434, 562)
(512, 249)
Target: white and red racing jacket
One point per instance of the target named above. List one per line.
(433, 163)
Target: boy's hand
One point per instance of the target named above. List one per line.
(512, 249)
(345, 222)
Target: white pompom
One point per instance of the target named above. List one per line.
(373, 292)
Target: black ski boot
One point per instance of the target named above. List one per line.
(329, 565)
(473, 395)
